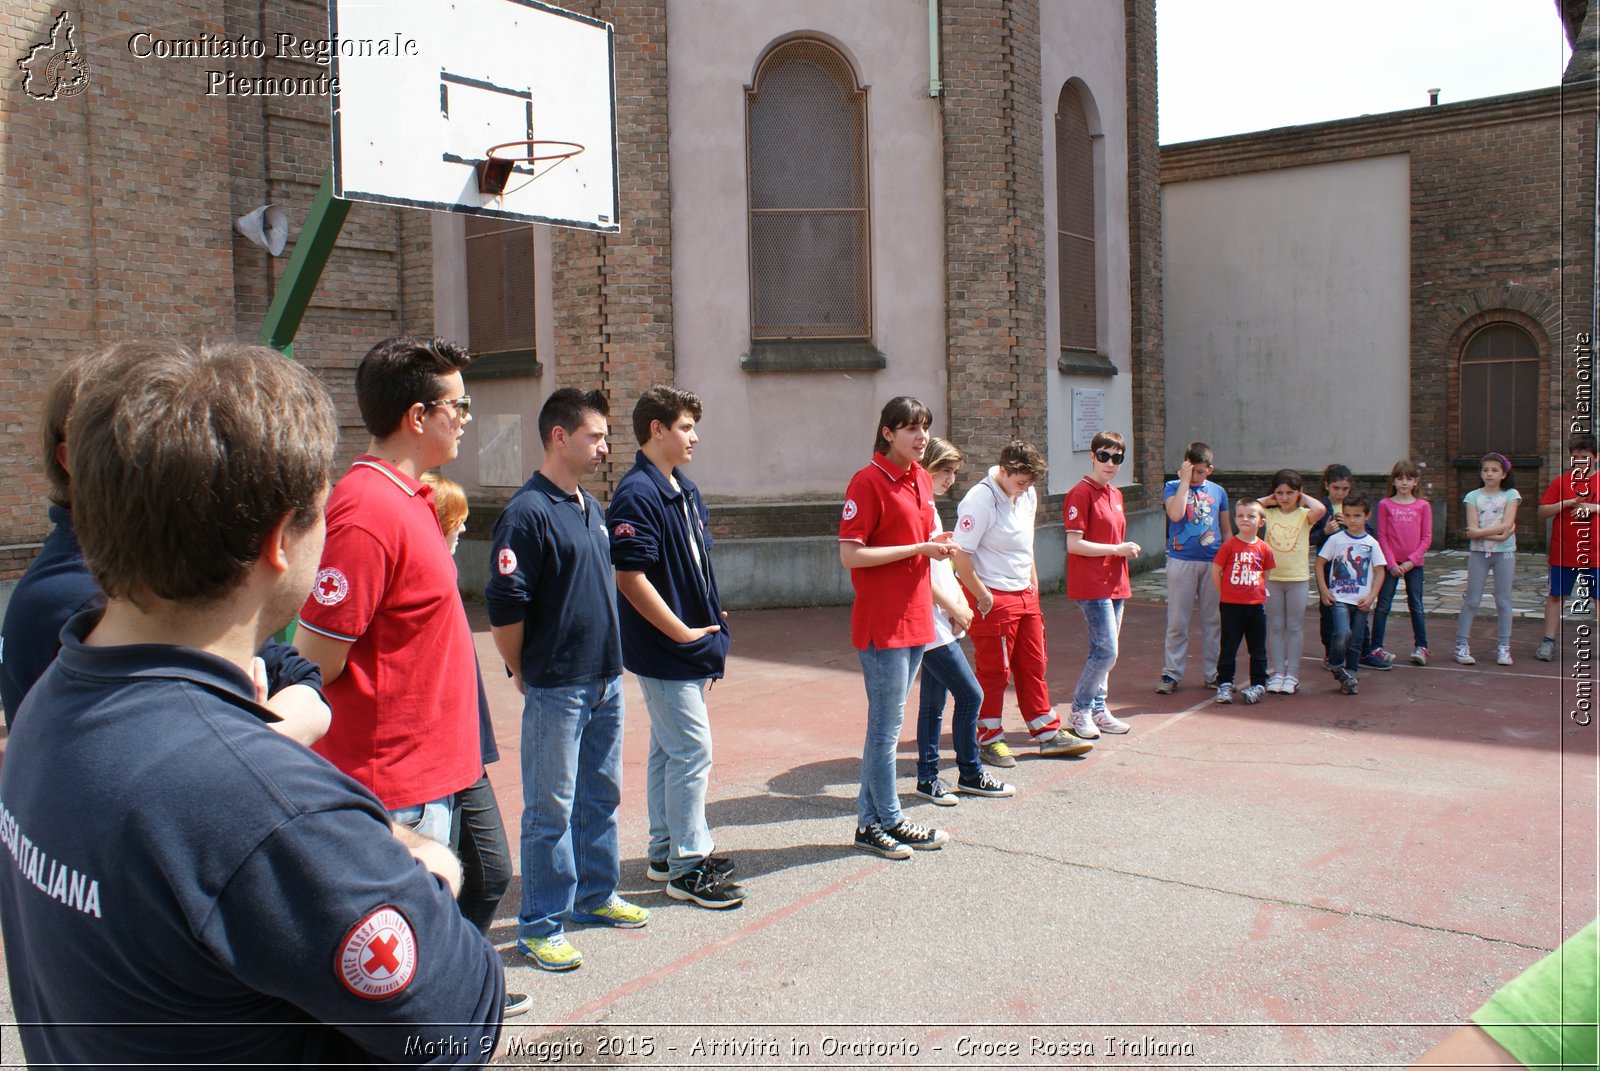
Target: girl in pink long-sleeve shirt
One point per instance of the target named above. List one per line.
(1405, 531)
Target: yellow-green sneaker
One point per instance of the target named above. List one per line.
(551, 953)
(614, 912)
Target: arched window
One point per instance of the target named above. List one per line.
(810, 262)
(1500, 392)
(1075, 252)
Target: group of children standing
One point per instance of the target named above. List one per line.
(1247, 571)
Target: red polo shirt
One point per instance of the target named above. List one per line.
(1572, 541)
(1096, 511)
(887, 506)
(1244, 571)
(405, 709)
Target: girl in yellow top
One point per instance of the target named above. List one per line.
(1291, 514)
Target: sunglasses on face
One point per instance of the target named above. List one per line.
(1108, 458)
(462, 405)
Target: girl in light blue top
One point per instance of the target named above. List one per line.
(1492, 529)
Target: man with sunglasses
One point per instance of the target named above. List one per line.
(405, 726)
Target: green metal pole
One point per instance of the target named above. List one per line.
(311, 252)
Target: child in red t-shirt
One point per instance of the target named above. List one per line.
(1572, 500)
(1239, 572)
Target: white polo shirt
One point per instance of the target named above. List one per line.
(998, 533)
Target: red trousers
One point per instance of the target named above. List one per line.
(1009, 644)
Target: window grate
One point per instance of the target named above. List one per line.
(810, 252)
(1500, 392)
(500, 285)
(1075, 252)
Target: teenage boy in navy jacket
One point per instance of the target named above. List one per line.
(673, 639)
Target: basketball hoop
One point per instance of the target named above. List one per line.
(494, 172)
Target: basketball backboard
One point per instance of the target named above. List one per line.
(427, 87)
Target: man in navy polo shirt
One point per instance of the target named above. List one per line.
(552, 605)
(180, 884)
(673, 639)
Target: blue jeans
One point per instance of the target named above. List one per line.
(1104, 618)
(1380, 618)
(571, 786)
(1347, 631)
(431, 820)
(946, 672)
(677, 772)
(888, 674)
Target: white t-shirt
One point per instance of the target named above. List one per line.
(1351, 564)
(998, 533)
(943, 575)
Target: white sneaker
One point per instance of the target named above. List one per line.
(1502, 656)
(1224, 694)
(1081, 725)
(1108, 722)
(1464, 655)
(1291, 685)
(1252, 695)
(1275, 684)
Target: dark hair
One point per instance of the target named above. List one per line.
(1103, 439)
(398, 373)
(58, 404)
(1287, 476)
(564, 409)
(1334, 472)
(182, 463)
(1018, 457)
(665, 404)
(1403, 467)
(1504, 462)
(1581, 440)
(1357, 501)
(1198, 454)
(901, 412)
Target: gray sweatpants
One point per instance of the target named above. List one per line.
(1286, 618)
(1189, 585)
(1479, 565)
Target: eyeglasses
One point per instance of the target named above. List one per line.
(462, 405)
(1107, 457)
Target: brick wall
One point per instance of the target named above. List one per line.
(1493, 237)
(116, 222)
(994, 232)
(1144, 241)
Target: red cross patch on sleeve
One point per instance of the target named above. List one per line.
(506, 561)
(330, 587)
(378, 957)
(623, 530)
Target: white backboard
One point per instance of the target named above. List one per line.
(426, 87)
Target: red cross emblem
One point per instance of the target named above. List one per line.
(330, 587)
(378, 957)
(506, 561)
(623, 530)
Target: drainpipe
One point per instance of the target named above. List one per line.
(935, 85)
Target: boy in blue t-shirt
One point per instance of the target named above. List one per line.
(1197, 526)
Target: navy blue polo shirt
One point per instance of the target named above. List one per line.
(168, 860)
(550, 568)
(56, 586)
(661, 532)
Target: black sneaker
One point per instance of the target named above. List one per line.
(915, 836)
(937, 791)
(517, 1004)
(706, 887)
(660, 872)
(873, 839)
(984, 785)
(1347, 683)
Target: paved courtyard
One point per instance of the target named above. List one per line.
(1317, 880)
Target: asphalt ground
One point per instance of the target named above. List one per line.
(1318, 880)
